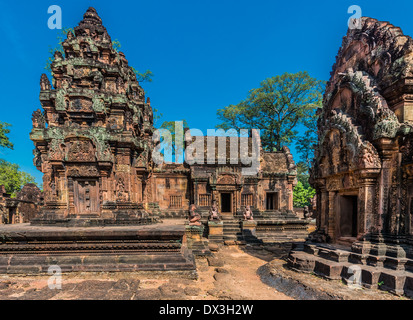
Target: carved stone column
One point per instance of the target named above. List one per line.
(365, 216)
(290, 203)
(196, 198)
(331, 214)
(237, 200)
(409, 199)
(323, 210)
(387, 148)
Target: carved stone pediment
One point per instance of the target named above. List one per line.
(226, 179)
(80, 151)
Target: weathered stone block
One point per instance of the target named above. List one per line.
(301, 261)
(408, 286)
(392, 281)
(216, 228)
(329, 269)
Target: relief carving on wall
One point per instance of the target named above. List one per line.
(81, 151)
(83, 171)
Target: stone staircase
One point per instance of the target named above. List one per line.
(233, 231)
(377, 272)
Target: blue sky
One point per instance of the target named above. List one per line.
(205, 55)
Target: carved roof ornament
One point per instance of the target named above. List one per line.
(44, 83)
(356, 101)
(379, 48)
(38, 119)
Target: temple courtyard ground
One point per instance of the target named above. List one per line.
(234, 273)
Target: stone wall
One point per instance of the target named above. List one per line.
(23, 208)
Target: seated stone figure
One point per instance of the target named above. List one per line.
(306, 212)
(248, 213)
(213, 212)
(194, 217)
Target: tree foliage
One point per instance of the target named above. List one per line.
(61, 37)
(169, 144)
(13, 178)
(277, 107)
(10, 175)
(302, 195)
(306, 142)
(4, 139)
(303, 192)
(141, 77)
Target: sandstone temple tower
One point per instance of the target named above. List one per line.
(363, 167)
(93, 140)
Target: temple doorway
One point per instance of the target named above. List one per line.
(86, 197)
(348, 216)
(271, 201)
(226, 203)
(12, 215)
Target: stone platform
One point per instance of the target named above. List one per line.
(261, 231)
(374, 272)
(27, 249)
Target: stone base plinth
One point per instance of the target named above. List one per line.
(112, 214)
(249, 230)
(195, 241)
(216, 231)
(27, 249)
(281, 230)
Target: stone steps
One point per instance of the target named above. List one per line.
(345, 255)
(342, 264)
(232, 232)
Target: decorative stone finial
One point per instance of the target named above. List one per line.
(91, 16)
(91, 25)
(58, 56)
(44, 83)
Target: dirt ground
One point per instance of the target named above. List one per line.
(230, 274)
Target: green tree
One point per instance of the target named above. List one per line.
(302, 195)
(4, 139)
(305, 148)
(277, 107)
(12, 178)
(302, 174)
(10, 175)
(157, 116)
(170, 143)
(308, 140)
(141, 77)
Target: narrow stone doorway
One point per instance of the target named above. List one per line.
(12, 215)
(272, 201)
(226, 205)
(348, 216)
